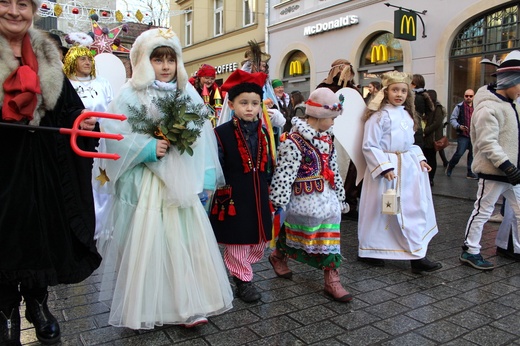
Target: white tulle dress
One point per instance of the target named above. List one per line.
(161, 262)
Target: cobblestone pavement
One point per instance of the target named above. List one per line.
(456, 305)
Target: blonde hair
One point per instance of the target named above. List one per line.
(408, 104)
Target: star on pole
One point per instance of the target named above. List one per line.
(104, 39)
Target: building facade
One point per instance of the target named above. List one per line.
(451, 38)
(216, 32)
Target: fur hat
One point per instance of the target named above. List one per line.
(241, 81)
(143, 73)
(323, 103)
(206, 71)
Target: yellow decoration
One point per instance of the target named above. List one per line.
(139, 15)
(166, 33)
(217, 98)
(102, 177)
(91, 12)
(119, 16)
(58, 10)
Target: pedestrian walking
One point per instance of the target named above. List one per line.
(162, 264)
(394, 162)
(241, 211)
(307, 186)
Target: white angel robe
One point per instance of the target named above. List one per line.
(388, 143)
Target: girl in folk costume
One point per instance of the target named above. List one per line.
(307, 184)
(206, 77)
(157, 238)
(241, 212)
(394, 161)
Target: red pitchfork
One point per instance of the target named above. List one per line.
(74, 132)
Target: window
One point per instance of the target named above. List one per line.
(491, 36)
(188, 25)
(249, 12)
(219, 10)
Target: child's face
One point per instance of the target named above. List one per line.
(165, 68)
(397, 93)
(325, 124)
(246, 106)
(513, 92)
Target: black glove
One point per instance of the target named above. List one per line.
(513, 174)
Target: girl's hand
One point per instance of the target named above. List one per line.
(161, 148)
(88, 124)
(390, 175)
(426, 166)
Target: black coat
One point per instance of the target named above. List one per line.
(47, 215)
(252, 223)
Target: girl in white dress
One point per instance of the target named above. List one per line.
(393, 161)
(162, 264)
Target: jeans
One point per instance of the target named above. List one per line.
(463, 144)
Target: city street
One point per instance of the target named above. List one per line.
(457, 305)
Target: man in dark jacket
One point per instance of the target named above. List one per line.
(461, 121)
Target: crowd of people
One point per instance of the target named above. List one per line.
(268, 172)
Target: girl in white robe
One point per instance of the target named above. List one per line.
(161, 261)
(393, 161)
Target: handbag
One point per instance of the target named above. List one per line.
(441, 143)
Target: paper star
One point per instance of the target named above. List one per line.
(102, 177)
(104, 39)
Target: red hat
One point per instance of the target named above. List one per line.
(240, 76)
(206, 71)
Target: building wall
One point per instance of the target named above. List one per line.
(428, 56)
(225, 52)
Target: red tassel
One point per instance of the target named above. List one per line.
(231, 209)
(214, 210)
(221, 214)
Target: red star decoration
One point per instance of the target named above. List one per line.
(104, 43)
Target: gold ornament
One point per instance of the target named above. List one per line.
(139, 15)
(58, 10)
(102, 177)
(119, 16)
(166, 33)
(91, 12)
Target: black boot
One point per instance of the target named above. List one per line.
(10, 327)
(45, 324)
(424, 265)
(246, 291)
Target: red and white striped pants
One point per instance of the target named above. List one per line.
(238, 259)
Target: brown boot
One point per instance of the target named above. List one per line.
(279, 263)
(334, 288)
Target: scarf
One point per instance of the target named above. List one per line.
(21, 87)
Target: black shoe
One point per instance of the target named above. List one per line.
(246, 291)
(508, 254)
(424, 265)
(376, 262)
(10, 327)
(45, 324)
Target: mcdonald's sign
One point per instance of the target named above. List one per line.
(405, 25)
(295, 68)
(379, 54)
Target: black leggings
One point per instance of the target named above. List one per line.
(11, 296)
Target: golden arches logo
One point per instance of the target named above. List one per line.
(410, 21)
(295, 68)
(379, 54)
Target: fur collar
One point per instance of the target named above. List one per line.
(49, 71)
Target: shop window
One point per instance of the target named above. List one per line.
(297, 65)
(490, 36)
(382, 49)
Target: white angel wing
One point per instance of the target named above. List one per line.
(349, 127)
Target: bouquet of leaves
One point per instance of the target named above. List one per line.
(180, 124)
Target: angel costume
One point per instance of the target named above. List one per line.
(388, 144)
(161, 262)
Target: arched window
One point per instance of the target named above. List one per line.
(297, 65)
(381, 54)
(490, 36)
